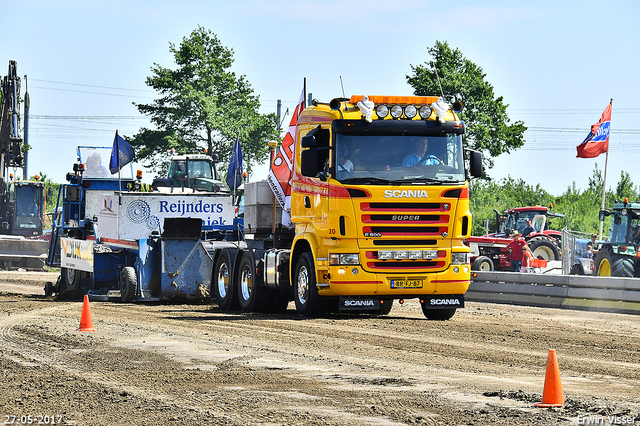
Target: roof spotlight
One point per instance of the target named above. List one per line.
(382, 111)
(396, 111)
(425, 111)
(410, 111)
(457, 106)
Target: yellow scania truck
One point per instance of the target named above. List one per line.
(380, 212)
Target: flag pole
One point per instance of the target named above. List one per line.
(237, 164)
(604, 181)
(118, 165)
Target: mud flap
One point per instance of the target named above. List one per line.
(359, 303)
(444, 301)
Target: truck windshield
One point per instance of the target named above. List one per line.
(196, 169)
(96, 161)
(398, 158)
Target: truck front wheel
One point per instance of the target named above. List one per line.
(385, 307)
(304, 288)
(438, 314)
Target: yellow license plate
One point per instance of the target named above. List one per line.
(406, 283)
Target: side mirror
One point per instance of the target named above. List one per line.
(603, 214)
(308, 140)
(214, 156)
(475, 163)
(315, 138)
(309, 162)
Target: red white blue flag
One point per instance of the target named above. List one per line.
(597, 141)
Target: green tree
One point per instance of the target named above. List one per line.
(625, 187)
(202, 105)
(488, 127)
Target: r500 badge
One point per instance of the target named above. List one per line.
(373, 234)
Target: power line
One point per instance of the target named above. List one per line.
(93, 93)
(86, 117)
(90, 85)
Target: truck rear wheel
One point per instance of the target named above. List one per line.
(222, 281)
(252, 296)
(304, 287)
(128, 284)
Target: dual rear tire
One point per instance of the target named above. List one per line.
(243, 288)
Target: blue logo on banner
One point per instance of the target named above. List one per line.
(603, 132)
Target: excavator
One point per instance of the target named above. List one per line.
(22, 201)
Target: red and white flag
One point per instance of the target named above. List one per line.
(597, 140)
(282, 168)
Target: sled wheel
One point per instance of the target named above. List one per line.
(128, 283)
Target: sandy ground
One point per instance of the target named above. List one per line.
(193, 364)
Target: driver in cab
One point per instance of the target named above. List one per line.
(419, 156)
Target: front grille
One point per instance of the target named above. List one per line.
(380, 220)
(394, 230)
(400, 206)
(405, 242)
(405, 225)
(403, 218)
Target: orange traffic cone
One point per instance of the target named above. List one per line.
(552, 395)
(85, 319)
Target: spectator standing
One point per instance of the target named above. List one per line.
(517, 247)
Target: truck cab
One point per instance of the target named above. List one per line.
(195, 171)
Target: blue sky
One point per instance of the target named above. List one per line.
(557, 64)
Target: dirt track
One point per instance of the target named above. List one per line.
(193, 365)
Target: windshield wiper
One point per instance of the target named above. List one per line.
(417, 179)
(367, 180)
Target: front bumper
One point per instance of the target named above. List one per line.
(352, 280)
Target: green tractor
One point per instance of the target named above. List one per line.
(617, 256)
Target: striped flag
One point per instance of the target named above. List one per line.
(282, 168)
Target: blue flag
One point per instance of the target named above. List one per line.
(121, 154)
(234, 173)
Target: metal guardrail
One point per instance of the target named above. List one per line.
(603, 294)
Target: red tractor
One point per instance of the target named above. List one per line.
(489, 252)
